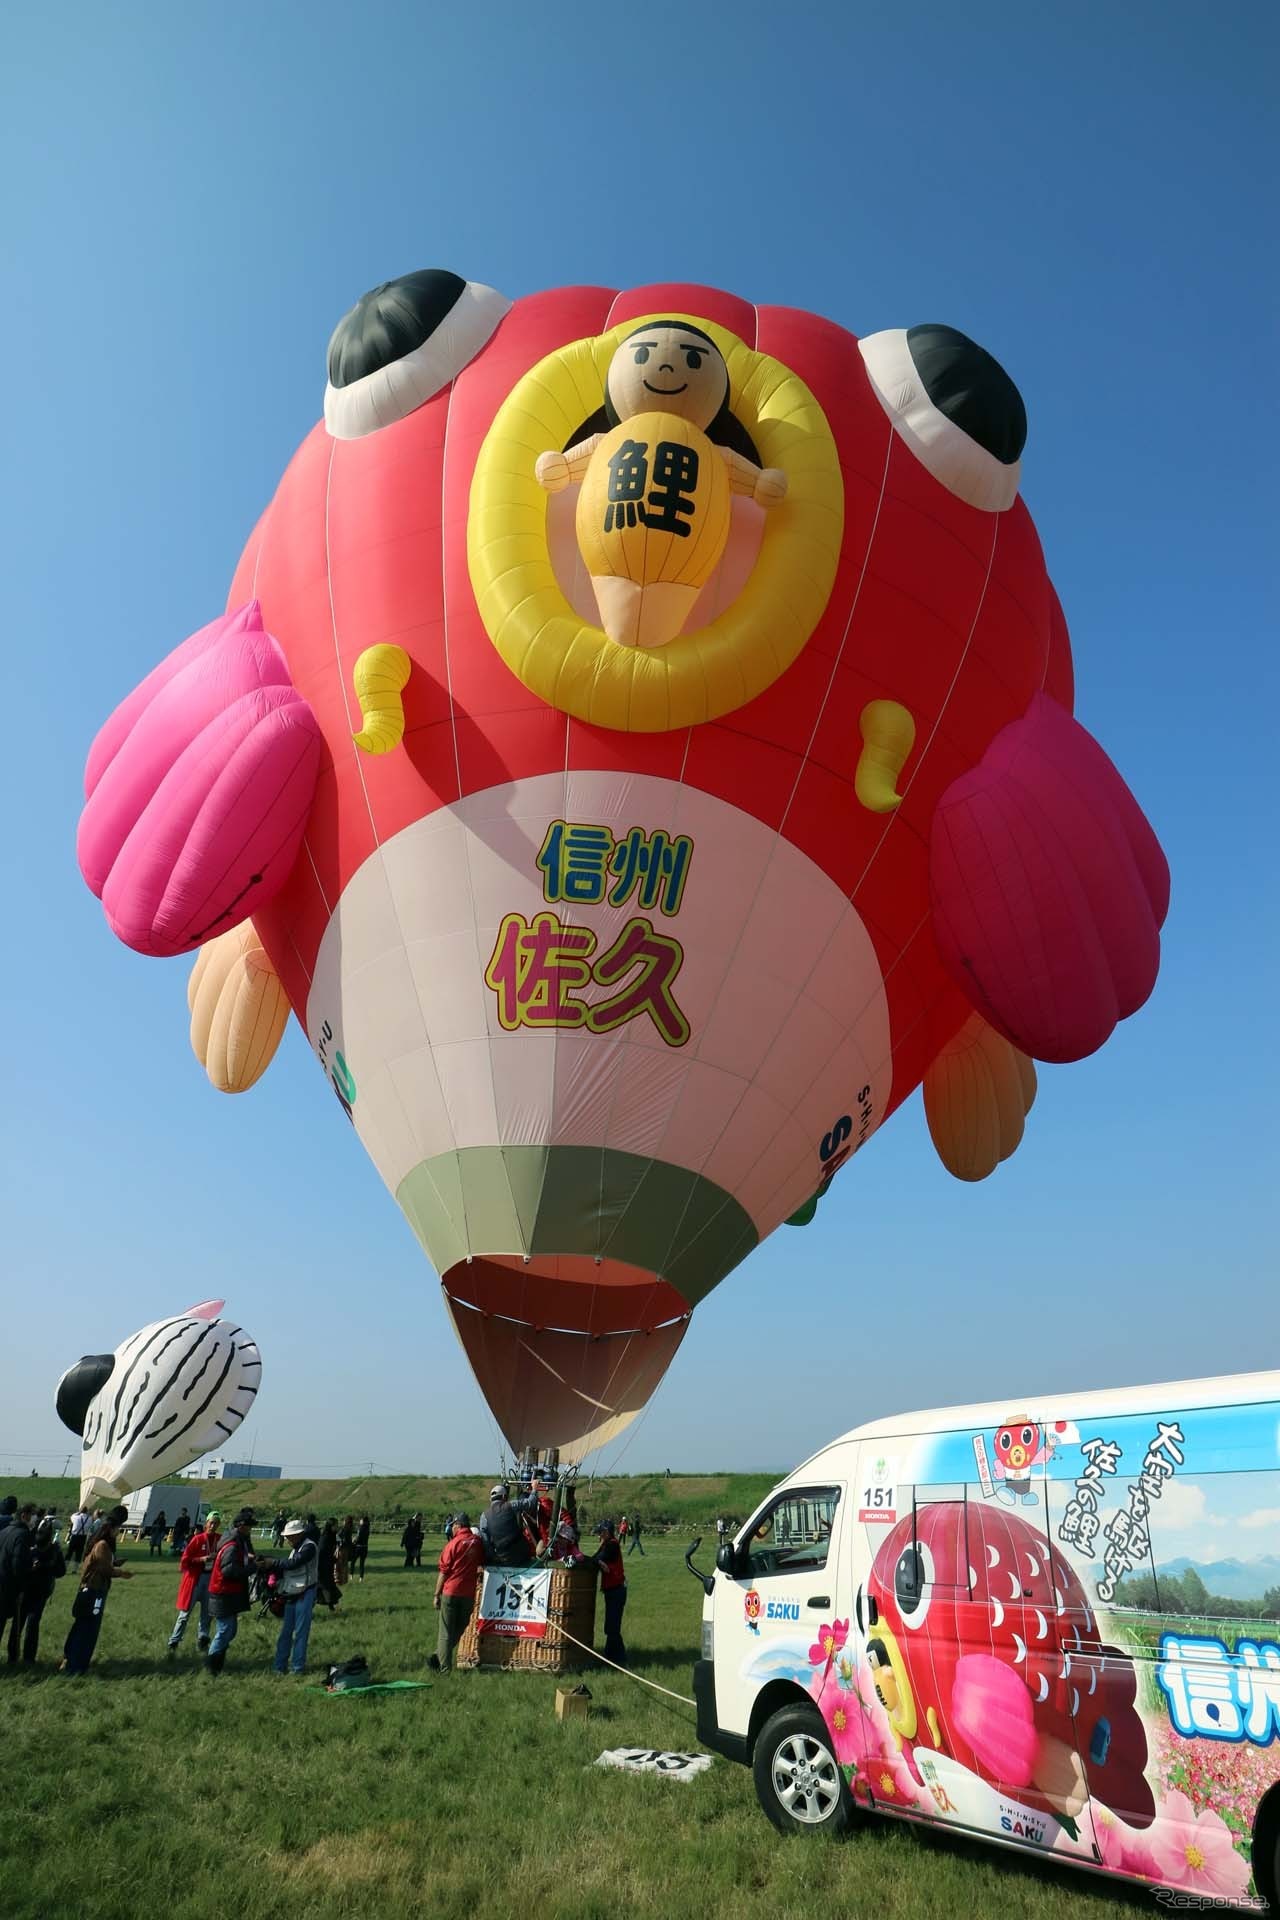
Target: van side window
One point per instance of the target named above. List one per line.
(793, 1533)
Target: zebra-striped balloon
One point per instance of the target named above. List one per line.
(165, 1396)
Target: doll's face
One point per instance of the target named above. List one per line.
(667, 369)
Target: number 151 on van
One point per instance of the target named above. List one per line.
(878, 1507)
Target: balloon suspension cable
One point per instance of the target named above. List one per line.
(636, 1426)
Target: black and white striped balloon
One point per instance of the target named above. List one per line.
(166, 1395)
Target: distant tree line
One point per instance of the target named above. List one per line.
(1186, 1593)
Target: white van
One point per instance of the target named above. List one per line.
(1054, 1626)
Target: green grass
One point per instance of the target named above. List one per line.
(148, 1785)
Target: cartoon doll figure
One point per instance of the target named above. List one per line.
(654, 511)
(1021, 1444)
(751, 1608)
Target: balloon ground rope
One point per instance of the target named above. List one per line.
(626, 1673)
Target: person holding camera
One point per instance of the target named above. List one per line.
(298, 1577)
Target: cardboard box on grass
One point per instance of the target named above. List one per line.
(573, 1703)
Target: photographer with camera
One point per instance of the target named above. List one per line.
(298, 1584)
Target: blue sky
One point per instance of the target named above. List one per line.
(194, 198)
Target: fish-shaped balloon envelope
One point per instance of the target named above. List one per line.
(165, 1396)
(639, 746)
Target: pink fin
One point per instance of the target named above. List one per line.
(1048, 887)
(200, 786)
(207, 1310)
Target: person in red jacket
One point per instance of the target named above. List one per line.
(233, 1565)
(193, 1587)
(460, 1565)
(613, 1587)
(543, 1516)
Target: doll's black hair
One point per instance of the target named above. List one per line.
(726, 430)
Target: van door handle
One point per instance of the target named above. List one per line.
(821, 1600)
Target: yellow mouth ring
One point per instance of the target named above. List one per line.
(699, 676)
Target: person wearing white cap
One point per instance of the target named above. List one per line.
(502, 1528)
(298, 1576)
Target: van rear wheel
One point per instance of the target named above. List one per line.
(799, 1781)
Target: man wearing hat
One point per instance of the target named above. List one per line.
(502, 1529)
(193, 1586)
(299, 1575)
(460, 1565)
(233, 1563)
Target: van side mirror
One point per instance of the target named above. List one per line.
(727, 1558)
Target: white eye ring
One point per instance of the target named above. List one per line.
(389, 393)
(945, 449)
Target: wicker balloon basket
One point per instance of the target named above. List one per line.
(571, 1610)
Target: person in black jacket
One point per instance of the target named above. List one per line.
(411, 1540)
(360, 1552)
(507, 1543)
(48, 1564)
(328, 1592)
(16, 1542)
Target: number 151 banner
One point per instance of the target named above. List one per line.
(514, 1602)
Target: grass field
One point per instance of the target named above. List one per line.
(148, 1785)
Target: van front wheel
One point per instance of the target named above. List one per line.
(799, 1782)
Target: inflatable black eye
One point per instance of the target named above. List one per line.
(693, 358)
(642, 355)
(956, 408)
(401, 343)
(78, 1386)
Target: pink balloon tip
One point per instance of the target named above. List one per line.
(207, 1310)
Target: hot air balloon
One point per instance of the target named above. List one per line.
(630, 845)
(165, 1396)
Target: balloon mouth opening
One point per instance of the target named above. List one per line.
(556, 1387)
(566, 1293)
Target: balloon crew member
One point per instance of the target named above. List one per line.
(565, 1550)
(502, 1529)
(299, 1584)
(542, 1512)
(637, 1532)
(100, 1568)
(181, 1531)
(156, 1533)
(48, 1564)
(613, 1586)
(16, 1542)
(233, 1564)
(455, 1596)
(193, 1586)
